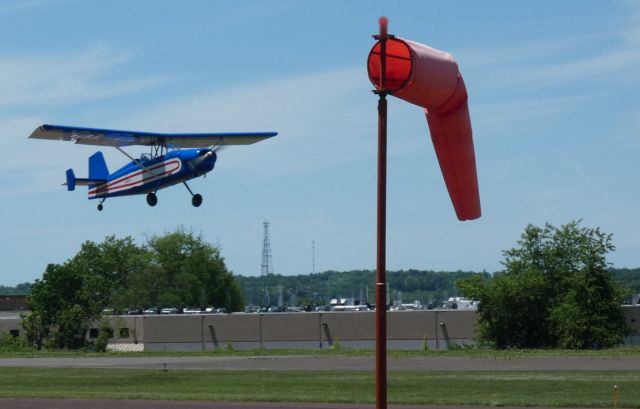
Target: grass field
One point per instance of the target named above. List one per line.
(503, 388)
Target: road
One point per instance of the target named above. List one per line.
(342, 363)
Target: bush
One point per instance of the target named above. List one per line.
(556, 292)
(105, 332)
(11, 343)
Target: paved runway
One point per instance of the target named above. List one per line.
(341, 363)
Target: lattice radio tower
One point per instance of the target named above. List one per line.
(267, 262)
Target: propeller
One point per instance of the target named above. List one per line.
(205, 154)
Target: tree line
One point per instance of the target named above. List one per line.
(20, 289)
(426, 286)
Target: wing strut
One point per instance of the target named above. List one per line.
(137, 161)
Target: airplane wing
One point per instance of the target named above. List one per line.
(116, 138)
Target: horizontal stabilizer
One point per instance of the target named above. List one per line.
(89, 182)
(72, 181)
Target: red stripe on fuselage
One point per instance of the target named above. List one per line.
(120, 183)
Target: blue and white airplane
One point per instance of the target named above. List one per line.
(166, 164)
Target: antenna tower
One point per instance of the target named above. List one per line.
(313, 257)
(267, 264)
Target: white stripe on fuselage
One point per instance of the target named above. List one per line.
(138, 177)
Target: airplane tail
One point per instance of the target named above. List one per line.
(98, 173)
(98, 167)
(71, 180)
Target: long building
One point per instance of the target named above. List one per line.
(433, 329)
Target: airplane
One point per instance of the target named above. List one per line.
(166, 165)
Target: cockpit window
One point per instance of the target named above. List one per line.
(145, 156)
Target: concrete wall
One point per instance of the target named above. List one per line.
(633, 321)
(200, 332)
(405, 330)
(126, 329)
(11, 324)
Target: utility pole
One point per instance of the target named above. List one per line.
(313, 257)
(267, 258)
(267, 263)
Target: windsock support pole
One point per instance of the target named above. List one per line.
(381, 280)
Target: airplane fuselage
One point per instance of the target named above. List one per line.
(151, 175)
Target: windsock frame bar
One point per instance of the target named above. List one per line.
(374, 63)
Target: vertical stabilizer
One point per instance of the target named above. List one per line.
(98, 167)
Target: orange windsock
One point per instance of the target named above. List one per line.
(430, 79)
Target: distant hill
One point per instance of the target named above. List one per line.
(630, 277)
(427, 287)
(20, 289)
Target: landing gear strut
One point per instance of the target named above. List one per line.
(152, 199)
(196, 200)
(100, 207)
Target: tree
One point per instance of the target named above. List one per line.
(177, 269)
(107, 266)
(187, 271)
(60, 309)
(555, 291)
(69, 296)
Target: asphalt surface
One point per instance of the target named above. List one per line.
(339, 363)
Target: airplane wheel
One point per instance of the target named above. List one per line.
(152, 199)
(196, 200)
(100, 207)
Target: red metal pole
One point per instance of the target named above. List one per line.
(381, 279)
(381, 258)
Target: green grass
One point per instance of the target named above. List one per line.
(503, 388)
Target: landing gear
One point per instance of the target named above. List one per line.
(196, 200)
(152, 199)
(100, 207)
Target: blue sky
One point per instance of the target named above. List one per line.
(553, 93)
